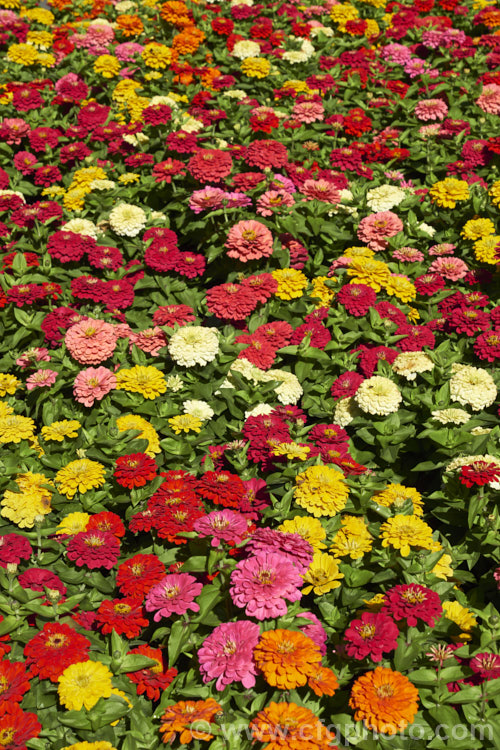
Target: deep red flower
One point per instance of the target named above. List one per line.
(13, 549)
(261, 285)
(412, 602)
(170, 521)
(373, 635)
(319, 335)
(69, 246)
(95, 549)
(54, 648)
(231, 301)
(429, 284)
(346, 385)
(486, 665)
(328, 433)
(416, 337)
(210, 165)
(479, 473)
(266, 153)
(277, 334)
(39, 579)
(155, 679)
(136, 576)
(165, 170)
(134, 470)
(487, 345)
(468, 321)
(124, 616)
(105, 258)
(172, 315)
(17, 727)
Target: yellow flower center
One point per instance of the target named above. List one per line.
(385, 691)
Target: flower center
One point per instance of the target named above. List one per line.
(385, 691)
(367, 631)
(57, 640)
(122, 609)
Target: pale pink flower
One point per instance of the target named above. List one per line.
(93, 384)
(152, 340)
(321, 190)
(127, 51)
(376, 228)
(13, 130)
(227, 653)
(249, 240)
(41, 378)
(32, 356)
(408, 255)
(208, 199)
(450, 268)
(90, 342)
(273, 199)
(223, 526)
(430, 130)
(306, 112)
(444, 248)
(431, 109)
(174, 594)
(264, 583)
(489, 101)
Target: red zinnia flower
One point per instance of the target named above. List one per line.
(268, 153)
(135, 577)
(13, 549)
(346, 385)
(233, 301)
(107, 521)
(259, 351)
(412, 602)
(210, 165)
(95, 549)
(487, 345)
(13, 683)
(134, 470)
(154, 679)
(38, 579)
(17, 727)
(357, 299)
(222, 488)
(53, 649)
(124, 616)
(486, 665)
(372, 635)
(169, 522)
(277, 334)
(479, 473)
(171, 315)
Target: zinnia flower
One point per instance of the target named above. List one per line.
(321, 490)
(386, 701)
(94, 548)
(194, 345)
(249, 240)
(412, 602)
(286, 658)
(378, 395)
(285, 725)
(90, 342)
(227, 654)
(134, 470)
(373, 635)
(151, 680)
(148, 381)
(79, 476)
(404, 532)
(182, 719)
(127, 220)
(82, 684)
(174, 594)
(262, 585)
(55, 648)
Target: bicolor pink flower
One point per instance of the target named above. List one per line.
(174, 594)
(93, 384)
(306, 112)
(450, 268)
(41, 378)
(32, 356)
(376, 228)
(263, 584)
(127, 51)
(249, 240)
(223, 526)
(408, 255)
(273, 199)
(321, 190)
(227, 654)
(90, 342)
(431, 109)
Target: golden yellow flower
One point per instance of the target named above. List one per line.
(124, 90)
(30, 501)
(476, 229)
(291, 451)
(401, 287)
(82, 178)
(146, 431)
(358, 252)
(66, 428)
(83, 683)
(373, 273)
(353, 540)
(462, 617)
(5, 409)
(323, 574)
(398, 495)
(442, 569)
(405, 532)
(73, 523)
(308, 528)
(157, 55)
(291, 283)
(321, 291)
(39, 15)
(148, 381)
(107, 65)
(494, 192)
(8, 384)
(14, 428)
(321, 490)
(79, 476)
(128, 178)
(185, 423)
(446, 193)
(255, 67)
(42, 39)
(485, 249)
(22, 54)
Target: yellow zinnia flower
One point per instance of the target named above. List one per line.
(321, 490)
(79, 476)
(353, 540)
(14, 428)
(446, 193)
(461, 616)
(405, 532)
(8, 384)
(157, 55)
(82, 684)
(256, 67)
(291, 283)
(30, 501)
(308, 528)
(66, 428)
(323, 574)
(107, 65)
(442, 569)
(148, 381)
(5, 409)
(291, 451)
(476, 229)
(397, 495)
(401, 287)
(22, 54)
(485, 249)
(185, 423)
(373, 273)
(494, 191)
(146, 431)
(73, 523)
(99, 745)
(321, 291)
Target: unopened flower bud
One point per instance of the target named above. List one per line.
(11, 569)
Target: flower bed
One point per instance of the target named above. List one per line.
(249, 385)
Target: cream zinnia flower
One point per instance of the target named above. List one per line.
(408, 364)
(378, 395)
(127, 220)
(451, 416)
(384, 197)
(194, 345)
(472, 386)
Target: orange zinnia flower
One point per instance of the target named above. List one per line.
(182, 718)
(188, 41)
(285, 725)
(176, 13)
(287, 658)
(130, 25)
(385, 700)
(323, 682)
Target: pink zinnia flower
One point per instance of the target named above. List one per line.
(408, 255)
(174, 594)
(272, 199)
(431, 109)
(376, 228)
(127, 51)
(444, 248)
(374, 634)
(223, 526)
(264, 583)
(489, 101)
(291, 546)
(227, 654)
(90, 342)
(41, 378)
(208, 199)
(315, 631)
(152, 340)
(450, 268)
(486, 665)
(13, 130)
(321, 190)
(94, 548)
(249, 240)
(93, 384)
(306, 112)
(32, 356)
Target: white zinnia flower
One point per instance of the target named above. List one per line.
(451, 416)
(246, 48)
(385, 197)
(378, 395)
(408, 364)
(81, 226)
(472, 386)
(127, 220)
(174, 383)
(345, 411)
(289, 391)
(259, 410)
(426, 229)
(194, 345)
(199, 409)
(294, 56)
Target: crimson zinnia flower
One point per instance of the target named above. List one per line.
(134, 470)
(479, 473)
(95, 549)
(412, 602)
(155, 679)
(372, 635)
(53, 649)
(124, 616)
(222, 488)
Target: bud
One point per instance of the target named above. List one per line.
(11, 569)
(39, 519)
(53, 595)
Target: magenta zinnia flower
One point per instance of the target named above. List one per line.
(412, 602)
(315, 631)
(227, 654)
(486, 665)
(292, 546)
(223, 526)
(95, 549)
(264, 583)
(372, 635)
(174, 594)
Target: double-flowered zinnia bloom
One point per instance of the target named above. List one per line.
(174, 594)
(264, 583)
(384, 700)
(227, 654)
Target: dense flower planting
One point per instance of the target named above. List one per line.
(249, 374)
